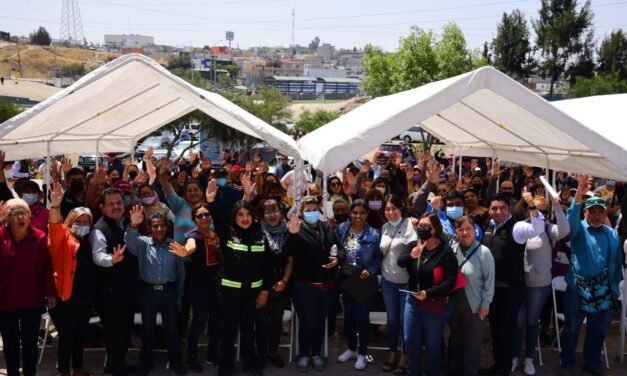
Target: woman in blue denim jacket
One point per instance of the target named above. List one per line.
(363, 258)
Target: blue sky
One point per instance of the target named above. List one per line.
(343, 23)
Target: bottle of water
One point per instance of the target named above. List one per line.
(333, 252)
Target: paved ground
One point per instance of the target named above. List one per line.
(94, 360)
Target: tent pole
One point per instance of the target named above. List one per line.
(461, 159)
(97, 155)
(47, 175)
(298, 184)
(623, 320)
(325, 195)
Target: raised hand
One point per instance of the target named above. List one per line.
(66, 164)
(148, 153)
(137, 216)
(100, 176)
(141, 178)
(349, 178)
(293, 225)
(128, 162)
(118, 253)
(433, 172)
(417, 250)
(4, 211)
(248, 166)
(332, 264)
(212, 190)
(56, 194)
(178, 249)
(527, 196)
(247, 185)
(365, 168)
(205, 163)
(437, 201)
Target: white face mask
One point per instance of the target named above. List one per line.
(80, 230)
(8, 174)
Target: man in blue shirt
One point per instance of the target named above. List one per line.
(162, 277)
(593, 277)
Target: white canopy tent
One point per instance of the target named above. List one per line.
(114, 106)
(480, 113)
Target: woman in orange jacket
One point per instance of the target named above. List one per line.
(74, 272)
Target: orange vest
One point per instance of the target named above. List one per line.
(63, 248)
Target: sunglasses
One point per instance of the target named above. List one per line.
(203, 215)
(336, 184)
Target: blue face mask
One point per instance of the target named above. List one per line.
(454, 212)
(397, 222)
(30, 198)
(221, 182)
(311, 217)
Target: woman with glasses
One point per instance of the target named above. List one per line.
(203, 248)
(26, 283)
(363, 259)
(269, 325)
(317, 252)
(74, 273)
(396, 235)
(335, 188)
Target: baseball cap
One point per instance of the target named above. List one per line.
(122, 185)
(595, 201)
(237, 168)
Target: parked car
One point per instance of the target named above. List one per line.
(87, 161)
(155, 141)
(178, 149)
(382, 155)
(416, 134)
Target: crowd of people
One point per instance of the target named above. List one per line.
(225, 249)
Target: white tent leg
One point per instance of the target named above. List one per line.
(298, 184)
(623, 320)
(47, 174)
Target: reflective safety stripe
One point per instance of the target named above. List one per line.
(238, 285)
(229, 283)
(236, 246)
(257, 248)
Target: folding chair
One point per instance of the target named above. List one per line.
(559, 284)
(378, 318)
(45, 323)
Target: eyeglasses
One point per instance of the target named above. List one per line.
(336, 184)
(19, 213)
(203, 215)
(391, 209)
(271, 212)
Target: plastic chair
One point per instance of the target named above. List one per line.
(45, 322)
(559, 284)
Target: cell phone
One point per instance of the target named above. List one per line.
(407, 291)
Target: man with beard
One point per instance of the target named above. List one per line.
(116, 277)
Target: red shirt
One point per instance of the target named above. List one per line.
(25, 270)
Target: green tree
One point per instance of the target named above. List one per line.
(450, 50)
(40, 37)
(416, 61)
(73, 70)
(313, 45)
(224, 80)
(583, 66)
(8, 110)
(181, 61)
(378, 68)
(598, 85)
(487, 56)
(613, 54)
(559, 30)
(511, 45)
(309, 121)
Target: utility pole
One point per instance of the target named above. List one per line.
(19, 58)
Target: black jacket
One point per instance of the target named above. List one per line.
(421, 276)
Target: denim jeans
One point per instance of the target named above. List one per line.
(164, 301)
(312, 307)
(422, 328)
(206, 311)
(395, 307)
(528, 316)
(356, 319)
(598, 325)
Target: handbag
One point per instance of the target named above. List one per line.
(594, 293)
(460, 283)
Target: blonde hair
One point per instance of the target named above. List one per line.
(309, 200)
(75, 213)
(15, 203)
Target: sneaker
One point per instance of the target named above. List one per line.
(529, 370)
(346, 356)
(303, 363)
(514, 364)
(360, 363)
(317, 362)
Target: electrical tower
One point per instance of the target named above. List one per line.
(293, 14)
(71, 23)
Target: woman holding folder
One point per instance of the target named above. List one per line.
(358, 273)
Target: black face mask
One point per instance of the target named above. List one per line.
(77, 186)
(132, 175)
(508, 194)
(113, 180)
(424, 232)
(340, 218)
